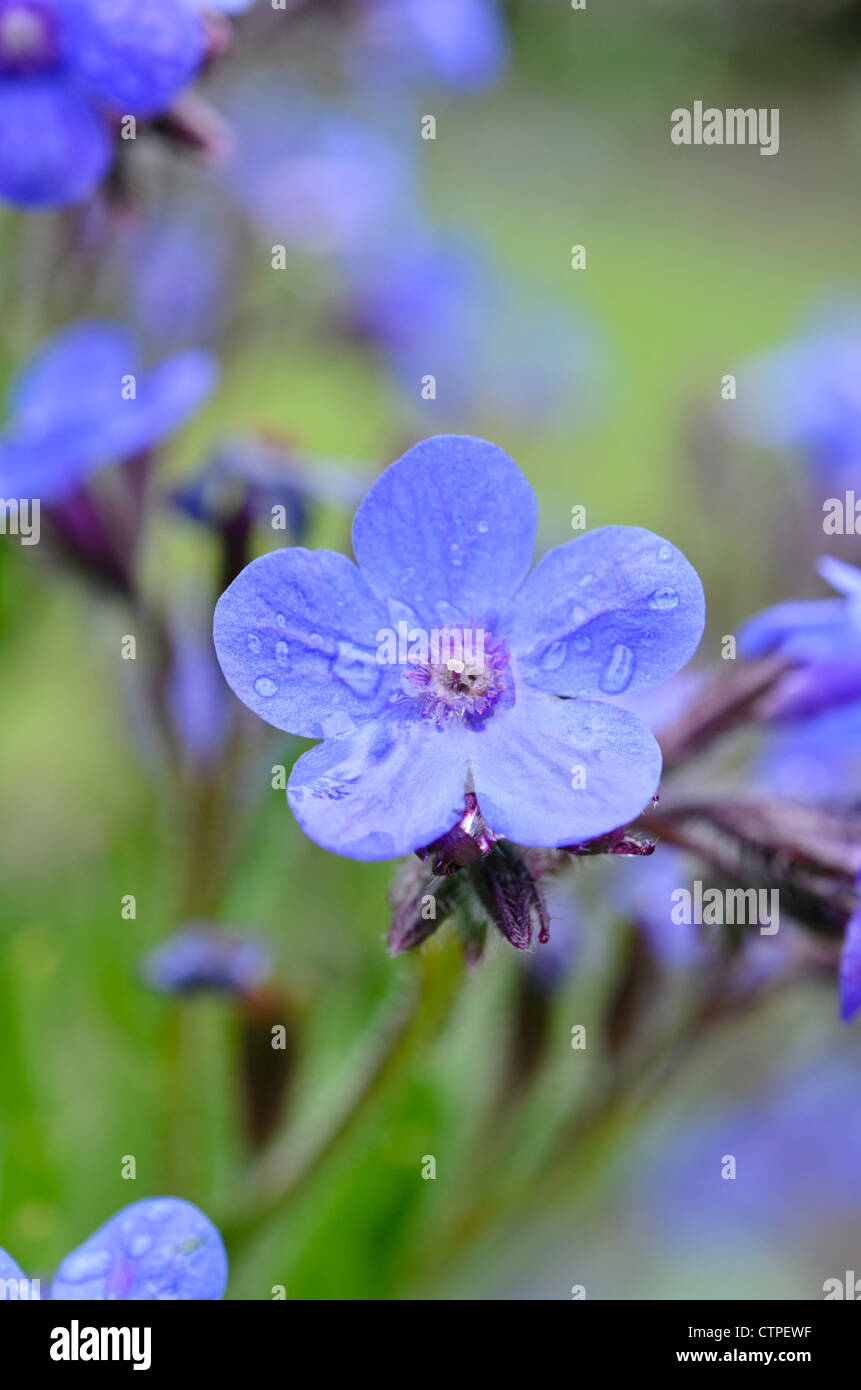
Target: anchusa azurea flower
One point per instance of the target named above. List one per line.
(201, 956)
(69, 71)
(434, 668)
(459, 43)
(805, 397)
(86, 400)
(161, 1248)
(822, 637)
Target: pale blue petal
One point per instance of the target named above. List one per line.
(391, 787)
(159, 1249)
(296, 634)
(550, 771)
(615, 610)
(447, 532)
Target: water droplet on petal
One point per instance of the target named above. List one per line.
(456, 553)
(482, 526)
(585, 579)
(281, 619)
(282, 654)
(86, 1264)
(665, 552)
(578, 615)
(664, 599)
(139, 1246)
(264, 686)
(617, 674)
(553, 658)
(253, 642)
(581, 642)
(359, 670)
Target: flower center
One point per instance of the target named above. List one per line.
(457, 673)
(28, 36)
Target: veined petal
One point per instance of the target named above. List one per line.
(387, 789)
(158, 1249)
(133, 55)
(296, 634)
(54, 148)
(447, 531)
(550, 771)
(615, 610)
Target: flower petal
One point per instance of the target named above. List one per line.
(615, 610)
(157, 1249)
(806, 628)
(134, 55)
(549, 771)
(296, 636)
(54, 148)
(387, 789)
(447, 531)
(850, 968)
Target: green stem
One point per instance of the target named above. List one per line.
(407, 1028)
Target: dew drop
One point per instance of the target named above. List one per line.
(483, 527)
(86, 1264)
(139, 1246)
(665, 552)
(456, 553)
(664, 599)
(581, 642)
(585, 579)
(282, 654)
(578, 615)
(264, 686)
(281, 619)
(617, 674)
(253, 642)
(553, 657)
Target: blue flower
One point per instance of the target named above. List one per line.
(823, 636)
(434, 666)
(160, 1248)
(436, 304)
(460, 43)
(68, 68)
(71, 409)
(806, 397)
(201, 956)
(314, 177)
(850, 967)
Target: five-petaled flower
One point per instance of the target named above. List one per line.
(72, 69)
(158, 1249)
(443, 543)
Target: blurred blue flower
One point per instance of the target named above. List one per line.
(68, 69)
(797, 1149)
(313, 177)
(200, 956)
(71, 411)
(823, 636)
(850, 967)
(459, 43)
(161, 1248)
(443, 541)
(436, 305)
(806, 397)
